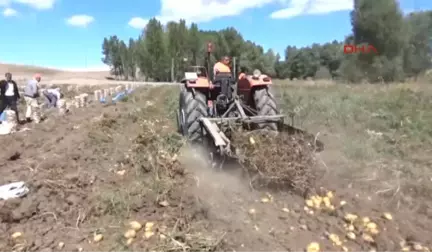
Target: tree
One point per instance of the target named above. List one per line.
(418, 53)
(156, 61)
(403, 44)
(381, 24)
(194, 43)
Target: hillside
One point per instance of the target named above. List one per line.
(25, 72)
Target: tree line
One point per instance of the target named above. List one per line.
(403, 44)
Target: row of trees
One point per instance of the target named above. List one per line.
(161, 53)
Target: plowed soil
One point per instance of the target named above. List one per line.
(96, 169)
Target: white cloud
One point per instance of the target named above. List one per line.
(9, 12)
(312, 7)
(138, 23)
(205, 10)
(4, 2)
(37, 4)
(80, 20)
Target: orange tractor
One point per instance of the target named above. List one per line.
(208, 108)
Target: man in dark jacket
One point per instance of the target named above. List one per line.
(9, 95)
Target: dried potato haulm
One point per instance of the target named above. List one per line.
(276, 160)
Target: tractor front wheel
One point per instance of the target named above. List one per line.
(193, 105)
(266, 105)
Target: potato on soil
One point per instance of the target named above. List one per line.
(368, 238)
(148, 234)
(135, 225)
(365, 220)
(129, 241)
(265, 200)
(335, 239)
(313, 247)
(350, 217)
(98, 238)
(387, 216)
(130, 234)
(16, 235)
(164, 203)
(351, 236)
(349, 227)
(121, 172)
(149, 226)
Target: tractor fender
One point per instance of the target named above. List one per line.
(262, 80)
(198, 83)
(248, 84)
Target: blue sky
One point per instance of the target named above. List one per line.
(67, 34)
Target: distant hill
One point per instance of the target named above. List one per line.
(26, 72)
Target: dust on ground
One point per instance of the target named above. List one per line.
(92, 172)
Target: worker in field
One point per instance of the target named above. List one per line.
(52, 96)
(242, 74)
(9, 95)
(31, 93)
(222, 66)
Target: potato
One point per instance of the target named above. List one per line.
(313, 247)
(351, 236)
(16, 235)
(130, 234)
(98, 238)
(350, 217)
(148, 234)
(135, 225)
(387, 216)
(149, 226)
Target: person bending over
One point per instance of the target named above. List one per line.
(52, 96)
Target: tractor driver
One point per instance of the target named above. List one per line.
(242, 74)
(222, 66)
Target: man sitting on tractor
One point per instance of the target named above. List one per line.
(242, 74)
(222, 66)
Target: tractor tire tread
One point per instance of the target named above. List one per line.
(265, 105)
(195, 106)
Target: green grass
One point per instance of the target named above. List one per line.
(344, 114)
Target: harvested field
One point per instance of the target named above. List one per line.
(94, 171)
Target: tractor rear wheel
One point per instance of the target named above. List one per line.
(193, 105)
(266, 105)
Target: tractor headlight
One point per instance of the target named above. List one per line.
(256, 73)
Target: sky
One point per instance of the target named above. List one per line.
(67, 34)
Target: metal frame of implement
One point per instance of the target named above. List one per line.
(221, 141)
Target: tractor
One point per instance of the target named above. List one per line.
(208, 108)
